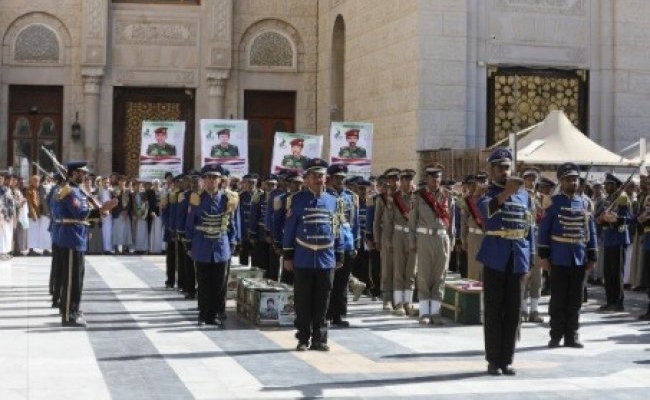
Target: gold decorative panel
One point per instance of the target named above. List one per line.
(136, 112)
(519, 99)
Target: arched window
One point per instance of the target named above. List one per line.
(271, 49)
(37, 43)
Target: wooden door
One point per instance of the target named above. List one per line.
(134, 105)
(35, 120)
(267, 112)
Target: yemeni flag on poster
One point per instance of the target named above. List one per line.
(351, 144)
(161, 148)
(291, 151)
(225, 142)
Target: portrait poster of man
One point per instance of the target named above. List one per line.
(291, 151)
(225, 142)
(351, 144)
(270, 305)
(161, 148)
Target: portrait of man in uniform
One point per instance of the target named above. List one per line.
(161, 147)
(295, 160)
(224, 149)
(352, 150)
(270, 312)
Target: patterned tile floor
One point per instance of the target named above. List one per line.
(142, 342)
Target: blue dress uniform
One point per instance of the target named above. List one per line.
(567, 238)
(375, 257)
(278, 220)
(211, 231)
(350, 236)
(272, 207)
(245, 197)
(169, 205)
(616, 237)
(506, 253)
(311, 241)
(73, 210)
(257, 228)
(55, 270)
(182, 205)
(362, 261)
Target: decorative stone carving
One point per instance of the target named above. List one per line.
(563, 7)
(271, 49)
(220, 20)
(37, 43)
(92, 79)
(216, 82)
(95, 17)
(170, 33)
(146, 76)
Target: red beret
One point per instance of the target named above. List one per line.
(162, 129)
(352, 132)
(297, 142)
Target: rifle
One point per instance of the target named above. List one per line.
(42, 170)
(94, 203)
(614, 196)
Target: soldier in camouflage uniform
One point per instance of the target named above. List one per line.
(295, 160)
(161, 147)
(224, 149)
(352, 150)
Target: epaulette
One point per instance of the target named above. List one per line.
(277, 203)
(64, 191)
(181, 197)
(195, 199)
(355, 199)
(233, 201)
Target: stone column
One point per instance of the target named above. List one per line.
(92, 78)
(216, 93)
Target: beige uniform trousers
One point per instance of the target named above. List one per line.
(433, 251)
(474, 268)
(386, 255)
(403, 263)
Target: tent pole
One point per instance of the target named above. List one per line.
(512, 139)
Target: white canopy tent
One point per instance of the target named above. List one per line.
(555, 141)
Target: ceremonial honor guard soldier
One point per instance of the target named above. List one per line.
(614, 217)
(349, 235)
(295, 181)
(256, 228)
(430, 235)
(273, 205)
(74, 212)
(167, 213)
(403, 254)
(369, 238)
(362, 262)
(505, 253)
(533, 281)
(245, 196)
(56, 266)
(312, 249)
(567, 247)
(643, 219)
(212, 236)
(383, 234)
(471, 226)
